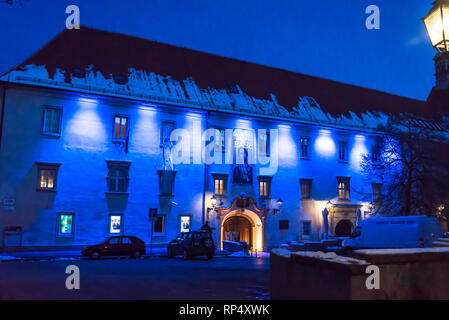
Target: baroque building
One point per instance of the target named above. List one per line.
(100, 130)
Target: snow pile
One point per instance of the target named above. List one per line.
(330, 256)
(281, 252)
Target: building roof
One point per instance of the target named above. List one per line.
(113, 53)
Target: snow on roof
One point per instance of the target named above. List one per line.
(91, 60)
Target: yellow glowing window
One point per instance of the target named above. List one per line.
(120, 127)
(219, 186)
(343, 188)
(263, 188)
(47, 179)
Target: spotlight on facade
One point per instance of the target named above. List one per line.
(329, 205)
(437, 25)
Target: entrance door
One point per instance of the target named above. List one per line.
(237, 229)
(343, 228)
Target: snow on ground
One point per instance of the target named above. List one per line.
(330, 256)
(8, 258)
(402, 251)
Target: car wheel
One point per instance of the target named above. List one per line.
(137, 254)
(209, 256)
(95, 255)
(186, 254)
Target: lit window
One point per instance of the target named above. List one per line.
(120, 128)
(115, 224)
(220, 184)
(219, 139)
(47, 176)
(306, 229)
(158, 225)
(65, 224)
(343, 188)
(306, 188)
(52, 121)
(185, 224)
(305, 148)
(264, 186)
(343, 151)
(118, 176)
(264, 143)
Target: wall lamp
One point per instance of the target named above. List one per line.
(279, 202)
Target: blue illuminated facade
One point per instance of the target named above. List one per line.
(86, 158)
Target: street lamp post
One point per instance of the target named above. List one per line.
(437, 25)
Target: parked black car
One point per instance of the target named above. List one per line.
(116, 246)
(191, 244)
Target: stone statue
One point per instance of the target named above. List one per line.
(243, 172)
(167, 154)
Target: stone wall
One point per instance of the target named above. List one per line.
(405, 274)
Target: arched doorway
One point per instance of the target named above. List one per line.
(343, 228)
(238, 228)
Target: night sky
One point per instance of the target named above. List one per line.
(325, 38)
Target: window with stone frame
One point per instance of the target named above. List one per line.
(120, 128)
(342, 151)
(264, 186)
(51, 123)
(305, 148)
(118, 176)
(47, 176)
(306, 188)
(343, 188)
(264, 143)
(220, 184)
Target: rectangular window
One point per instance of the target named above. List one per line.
(185, 224)
(377, 191)
(264, 143)
(65, 224)
(375, 153)
(166, 131)
(115, 224)
(342, 151)
(306, 188)
(283, 224)
(158, 224)
(51, 124)
(118, 176)
(47, 176)
(305, 148)
(220, 184)
(219, 139)
(306, 229)
(343, 188)
(121, 125)
(264, 186)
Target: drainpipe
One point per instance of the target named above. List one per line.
(205, 177)
(2, 115)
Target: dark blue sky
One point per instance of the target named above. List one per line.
(325, 38)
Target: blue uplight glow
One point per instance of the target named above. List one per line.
(358, 151)
(325, 145)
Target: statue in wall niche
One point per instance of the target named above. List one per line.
(167, 154)
(243, 172)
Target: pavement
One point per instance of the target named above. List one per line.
(76, 255)
(224, 278)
